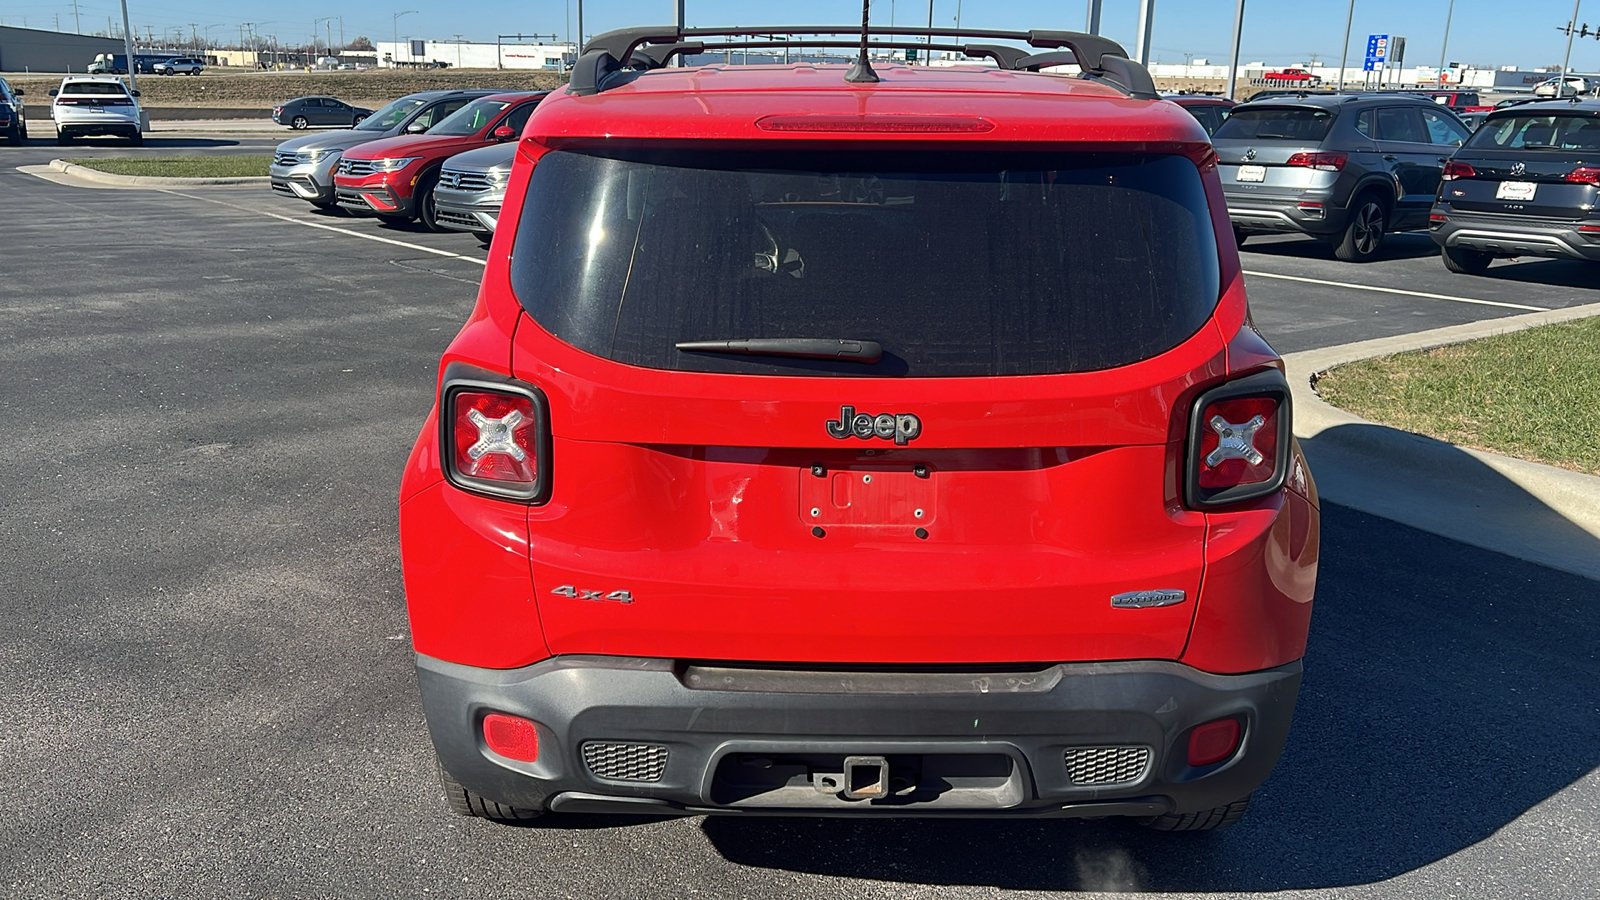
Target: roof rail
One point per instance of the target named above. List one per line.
(601, 66)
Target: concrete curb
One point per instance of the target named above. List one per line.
(1536, 512)
(98, 177)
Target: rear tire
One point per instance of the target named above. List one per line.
(63, 138)
(299, 123)
(1465, 262)
(1362, 237)
(1205, 820)
(484, 237)
(136, 140)
(463, 802)
(358, 120)
(1239, 237)
(16, 137)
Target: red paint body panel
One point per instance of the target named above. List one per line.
(693, 492)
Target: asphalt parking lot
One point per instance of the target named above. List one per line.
(206, 684)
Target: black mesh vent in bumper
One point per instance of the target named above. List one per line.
(1106, 765)
(625, 762)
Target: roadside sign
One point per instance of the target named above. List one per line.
(1377, 46)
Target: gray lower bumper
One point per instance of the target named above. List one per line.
(761, 741)
(1504, 236)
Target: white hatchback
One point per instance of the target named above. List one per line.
(93, 105)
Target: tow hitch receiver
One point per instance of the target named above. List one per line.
(864, 778)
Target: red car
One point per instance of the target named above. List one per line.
(1209, 111)
(394, 178)
(836, 442)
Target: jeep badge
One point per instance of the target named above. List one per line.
(900, 428)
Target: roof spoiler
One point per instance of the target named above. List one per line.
(600, 67)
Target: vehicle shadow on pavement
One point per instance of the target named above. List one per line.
(1554, 272)
(1448, 690)
(1405, 245)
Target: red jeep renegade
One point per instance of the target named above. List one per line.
(838, 442)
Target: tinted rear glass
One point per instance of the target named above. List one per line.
(1538, 132)
(1268, 123)
(95, 88)
(959, 264)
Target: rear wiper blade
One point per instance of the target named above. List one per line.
(802, 348)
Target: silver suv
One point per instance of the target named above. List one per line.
(179, 65)
(471, 189)
(1348, 169)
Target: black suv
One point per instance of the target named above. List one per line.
(1526, 184)
(1348, 169)
(13, 116)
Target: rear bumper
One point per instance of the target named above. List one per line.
(1509, 236)
(718, 739)
(106, 124)
(1254, 213)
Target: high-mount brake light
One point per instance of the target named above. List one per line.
(1325, 162)
(496, 439)
(1585, 175)
(1238, 441)
(1454, 170)
(887, 124)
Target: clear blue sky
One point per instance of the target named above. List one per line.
(1490, 32)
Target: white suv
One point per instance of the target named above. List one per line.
(88, 105)
(179, 65)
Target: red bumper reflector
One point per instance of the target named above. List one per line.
(878, 124)
(1213, 742)
(1438, 217)
(1589, 229)
(517, 738)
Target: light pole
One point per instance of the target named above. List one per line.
(1092, 19)
(1345, 53)
(395, 23)
(314, 24)
(1147, 14)
(580, 28)
(127, 47)
(1446, 44)
(1233, 59)
(1561, 85)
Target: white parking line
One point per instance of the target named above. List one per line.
(365, 237)
(1385, 290)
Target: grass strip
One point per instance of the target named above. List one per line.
(1534, 394)
(209, 166)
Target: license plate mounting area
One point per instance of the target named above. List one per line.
(898, 499)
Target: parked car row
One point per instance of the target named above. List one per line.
(1351, 169)
(439, 157)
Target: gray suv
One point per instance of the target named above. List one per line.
(1345, 168)
(1526, 184)
(303, 166)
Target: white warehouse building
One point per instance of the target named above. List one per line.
(473, 55)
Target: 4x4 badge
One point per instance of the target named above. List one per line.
(900, 428)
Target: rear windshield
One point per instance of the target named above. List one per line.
(957, 263)
(1538, 132)
(98, 88)
(1268, 123)
(391, 115)
(470, 119)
